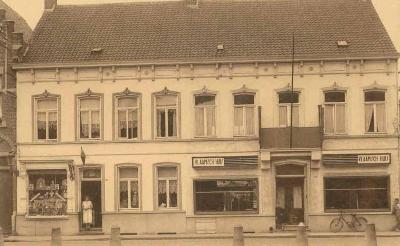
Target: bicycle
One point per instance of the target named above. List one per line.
(356, 223)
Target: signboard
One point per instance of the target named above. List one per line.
(208, 162)
(373, 159)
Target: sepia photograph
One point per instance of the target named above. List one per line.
(199, 122)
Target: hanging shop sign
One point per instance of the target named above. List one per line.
(225, 162)
(357, 159)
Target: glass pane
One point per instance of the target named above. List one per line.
(340, 119)
(47, 104)
(128, 172)
(41, 125)
(204, 100)
(52, 125)
(166, 100)
(95, 124)
(374, 96)
(92, 173)
(161, 123)
(290, 170)
(84, 124)
(173, 193)
(380, 117)
(285, 97)
(122, 124)
(127, 102)
(369, 118)
(238, 121)
(134, 194)
(167, 172)
(295, 116)
(132, 124)
(210, 121)
(172, 127)
(328, 114)
(283, 115)
(243, 99)
(199, 119)
(90, 103)
(123, 194)
(250, 121)
(162, 193)
(335, 96)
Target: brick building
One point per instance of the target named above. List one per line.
(13, 35)
(182, 116)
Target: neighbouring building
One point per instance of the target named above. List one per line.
(14, 32)
(181, 116)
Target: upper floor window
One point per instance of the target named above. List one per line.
(128, 187)
(244, 115)
(89, 117)
(375, 111)
(167, 186)
(205, 115)
(166, 115)
(46, 118)
(289, 105)
(335, 112)
(127, 117)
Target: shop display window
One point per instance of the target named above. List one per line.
(47, 191)
(357, 193)
(226, 196)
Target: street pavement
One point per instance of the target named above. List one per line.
(385, 239)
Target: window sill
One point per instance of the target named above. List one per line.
(375, 133)
(217, 214)
(358, 211)
(40, 217)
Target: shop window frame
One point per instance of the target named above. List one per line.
(257, 194)
(117, 184)
(388, 191)
(178, 186)
(45, 96)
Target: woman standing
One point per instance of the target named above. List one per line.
(87, 212)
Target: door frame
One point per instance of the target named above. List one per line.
(80, 178)
(298, 162)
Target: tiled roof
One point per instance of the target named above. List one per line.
(20, 23)
(172, 31)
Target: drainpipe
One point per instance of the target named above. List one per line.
(13, 169)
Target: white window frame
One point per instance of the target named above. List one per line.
(38, 98)
(288, 110)
(334, 104)
(127, 110)
(129, 180)
(374, 104)
(168, 179)
(89, 110)
(205, 107)
(244, 108)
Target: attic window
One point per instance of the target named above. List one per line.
(96, 50)
(220, 47)
(342, 43)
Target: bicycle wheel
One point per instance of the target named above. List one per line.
(360, 223)
(336, 225)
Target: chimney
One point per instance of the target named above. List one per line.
(50, 4)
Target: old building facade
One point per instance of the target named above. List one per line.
(193, 123)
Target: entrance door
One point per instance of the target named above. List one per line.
(91, 188)
(289, 194)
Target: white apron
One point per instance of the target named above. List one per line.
(87, 208)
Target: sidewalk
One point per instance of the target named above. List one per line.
(198, 236)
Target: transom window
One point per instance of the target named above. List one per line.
(167, 188)
(375, 115)
(127, 116)
(226, 196)
(358, 193)
(287, 111)
(89, 117)
(244, 115)
(166, 116)
(335, 112)
(47, 119)
(205, 115)
(128, 187)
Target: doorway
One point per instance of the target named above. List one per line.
(91, 187)
(290, 195)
